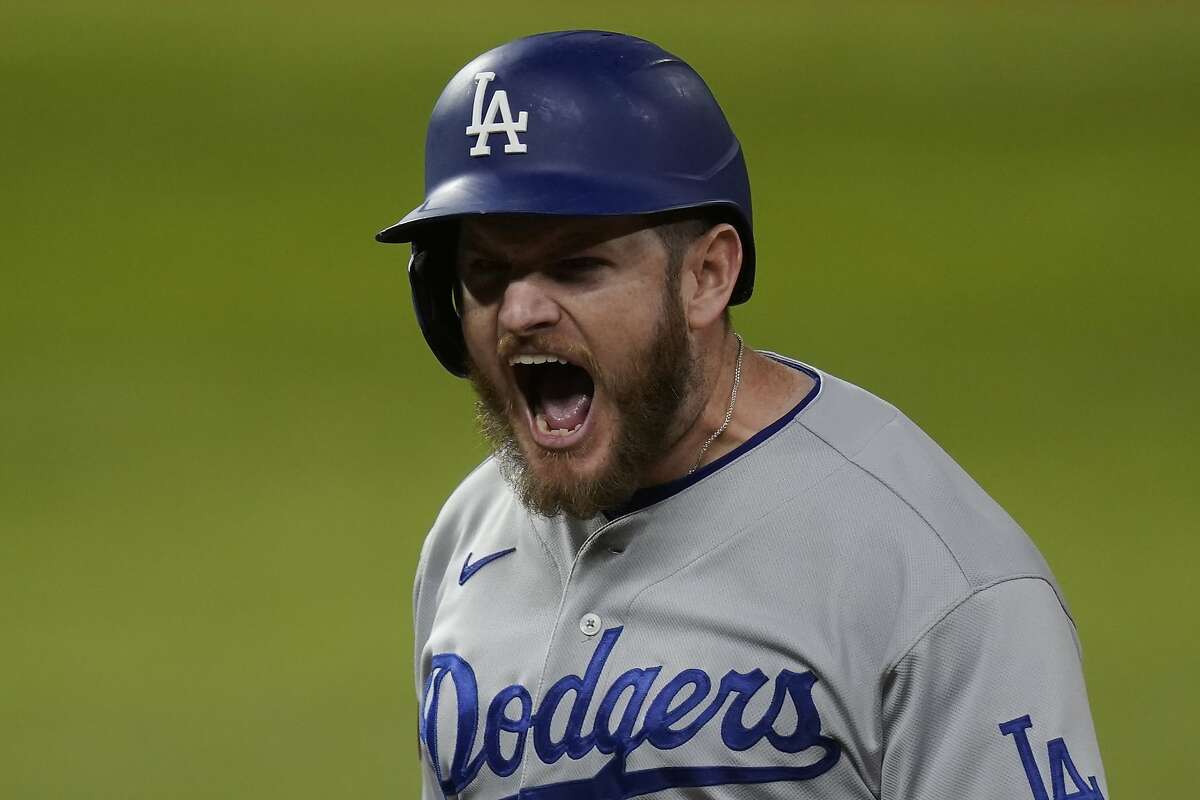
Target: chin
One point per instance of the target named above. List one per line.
(580, 481)
(586, 460)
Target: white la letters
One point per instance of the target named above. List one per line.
(482, 126)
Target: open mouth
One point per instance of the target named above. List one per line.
(558, 395)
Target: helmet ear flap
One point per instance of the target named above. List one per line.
(436, 297)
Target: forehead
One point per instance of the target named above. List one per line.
(529, 236)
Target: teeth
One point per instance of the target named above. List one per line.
(544, 427)
(536, 358)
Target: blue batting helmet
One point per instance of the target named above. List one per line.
(572, 123)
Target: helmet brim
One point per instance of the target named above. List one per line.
(564, 195)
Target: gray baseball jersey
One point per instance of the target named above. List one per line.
(832, 610)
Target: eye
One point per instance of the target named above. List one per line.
(482, 268)
(484, 279)
(577, 270)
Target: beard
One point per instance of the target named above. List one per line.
(647, 395)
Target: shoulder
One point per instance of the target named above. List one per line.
(477, 514)
(477, 496)
(887, 449)
(925, 535)
(474, 508)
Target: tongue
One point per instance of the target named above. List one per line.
(564, 413)
(566, 396)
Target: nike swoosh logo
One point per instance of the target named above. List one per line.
(470, 569)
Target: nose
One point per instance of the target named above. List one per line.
(526, 307)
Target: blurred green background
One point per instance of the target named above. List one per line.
(222, 439)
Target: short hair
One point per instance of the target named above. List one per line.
(677, 230)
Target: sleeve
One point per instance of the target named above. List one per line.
(429, 786)
(990, 703)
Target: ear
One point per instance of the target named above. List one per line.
(710, 270)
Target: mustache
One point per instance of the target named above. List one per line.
(510, 344)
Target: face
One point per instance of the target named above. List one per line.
(579, 353)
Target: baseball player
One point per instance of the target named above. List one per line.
(691, 569)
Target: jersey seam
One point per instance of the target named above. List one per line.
(749, 526)
(562, 578)
(894, 663)
(896, 416)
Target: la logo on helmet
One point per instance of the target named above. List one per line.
(483, 126)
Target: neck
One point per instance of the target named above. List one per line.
(766, 391)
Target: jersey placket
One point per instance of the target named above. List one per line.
(590, 605)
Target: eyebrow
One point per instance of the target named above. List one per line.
(564, 248)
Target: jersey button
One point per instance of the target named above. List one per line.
(589, 624)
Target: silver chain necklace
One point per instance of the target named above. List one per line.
(737, 381)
